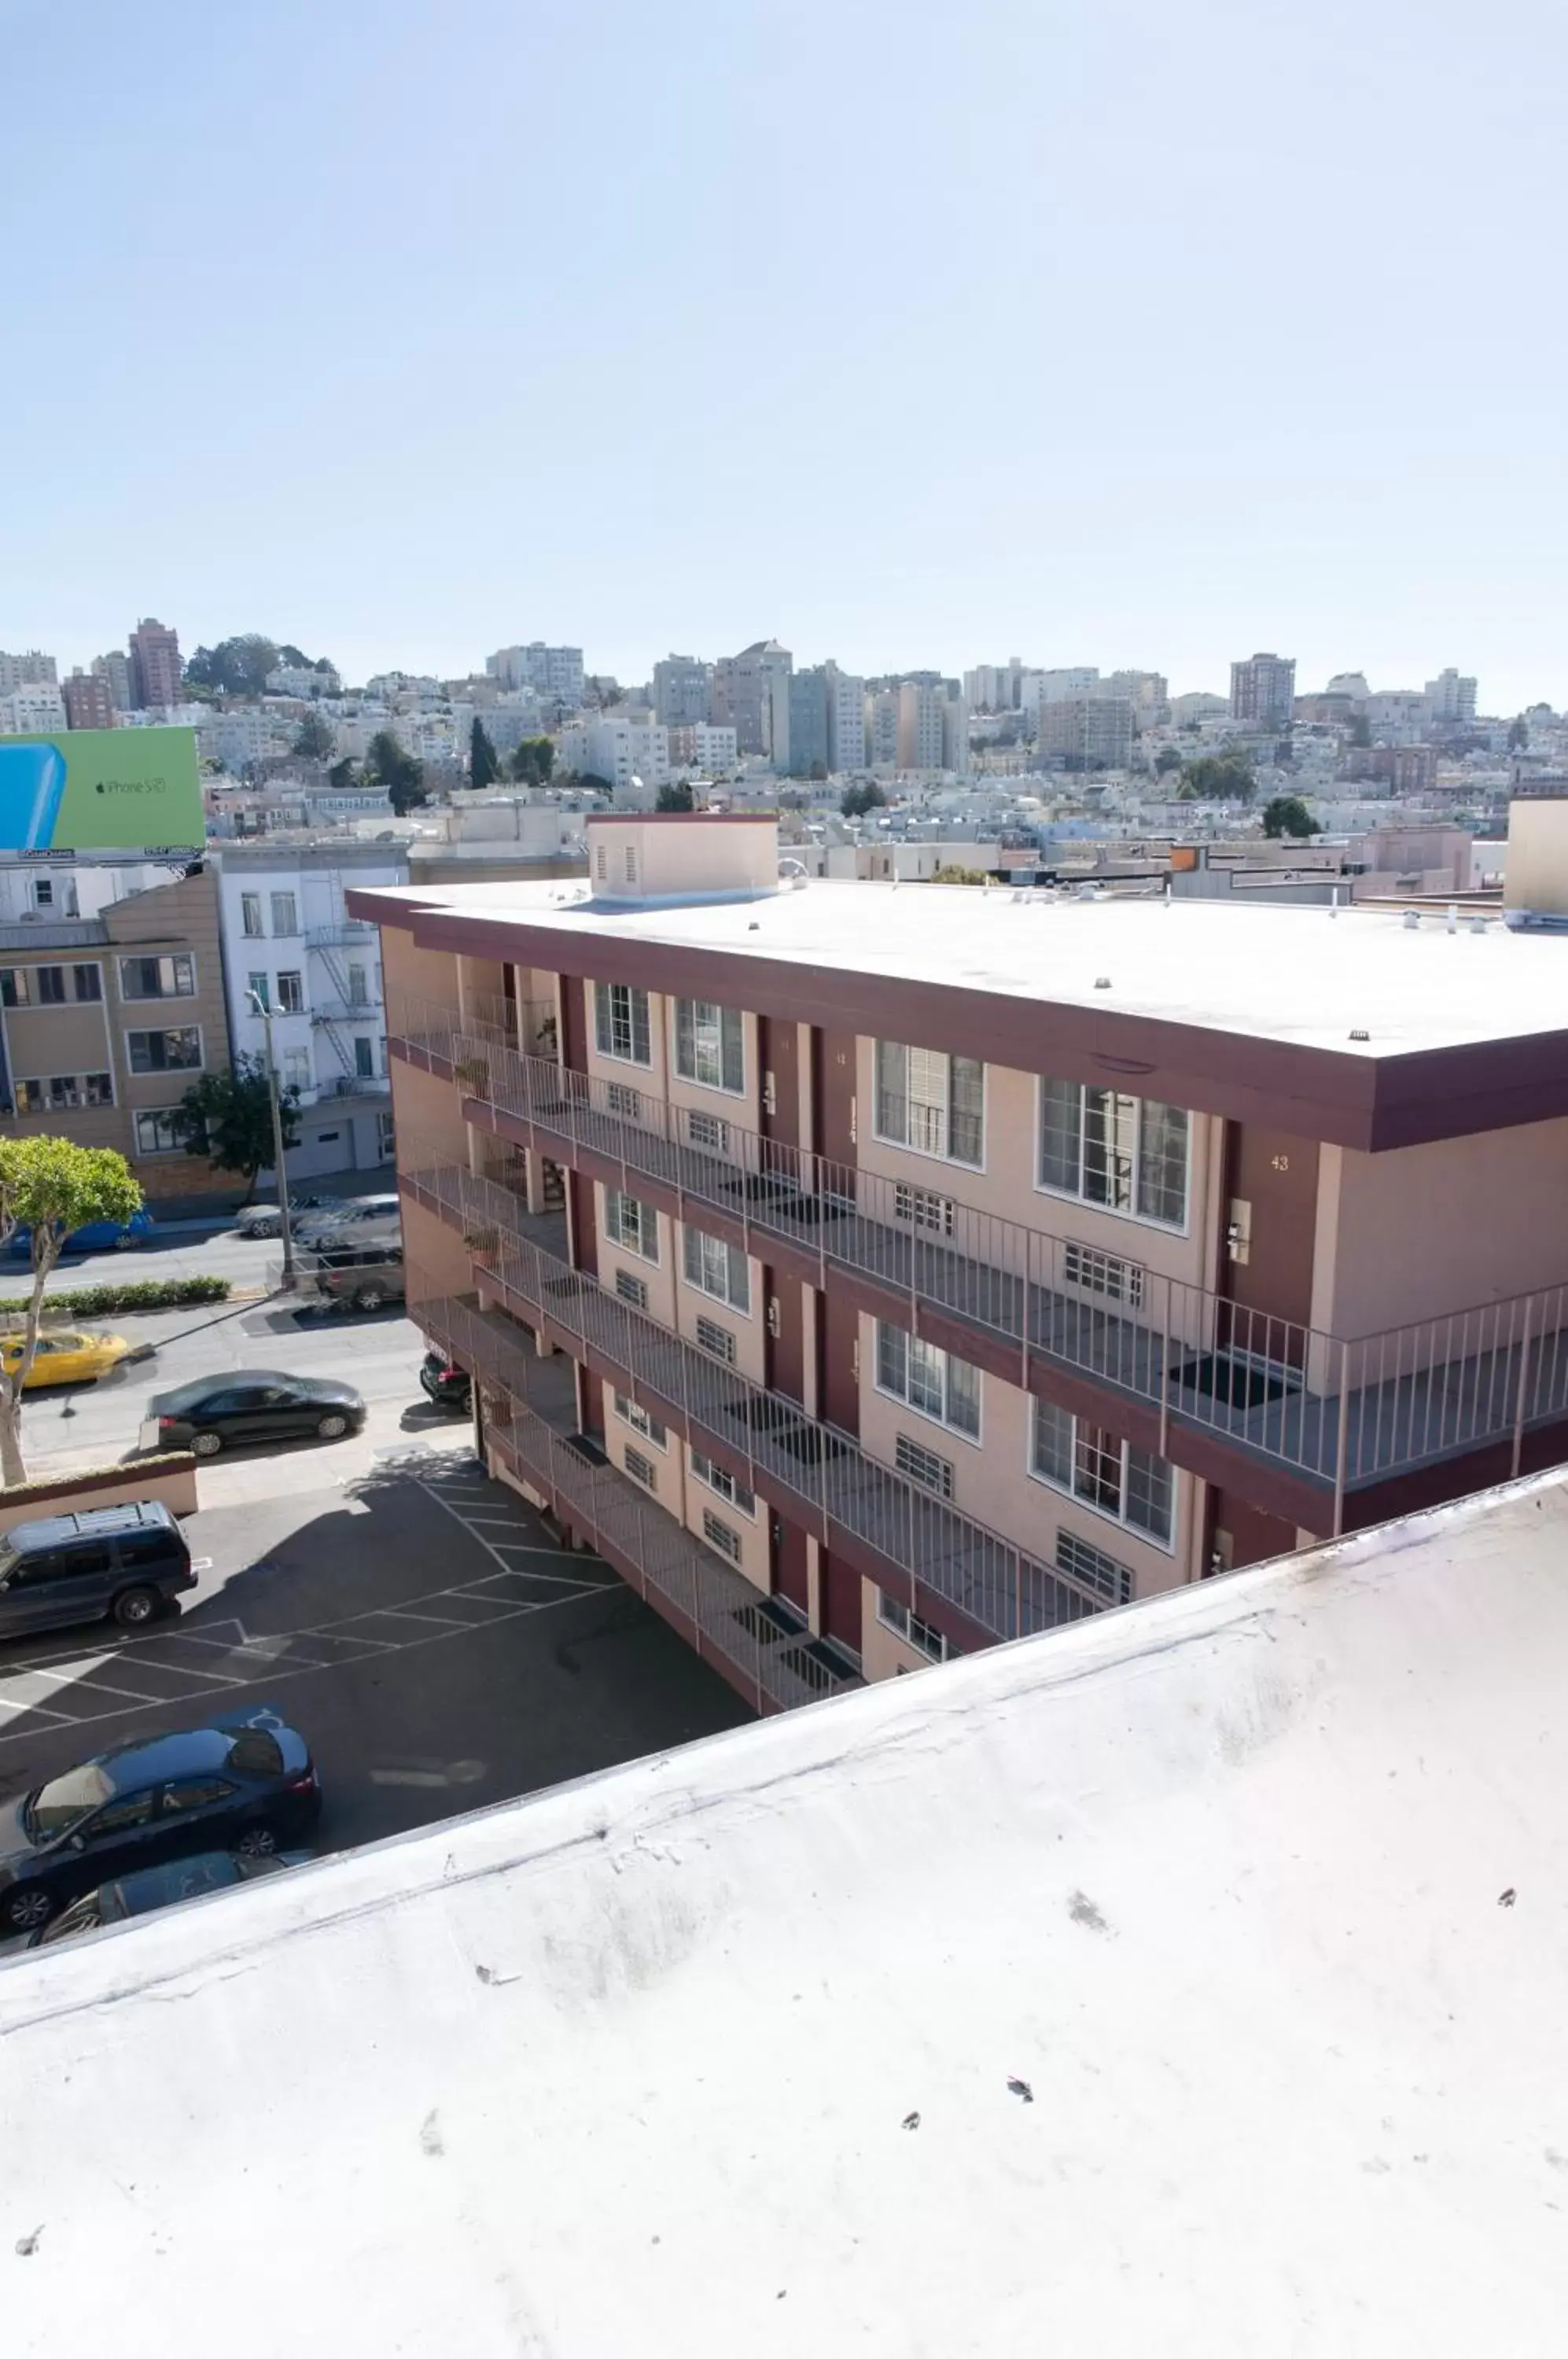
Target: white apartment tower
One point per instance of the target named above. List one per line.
(1451, 698)
(846, 720)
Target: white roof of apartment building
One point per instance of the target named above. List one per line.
(1187, 1981)
(1308, 976)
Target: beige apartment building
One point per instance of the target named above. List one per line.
(873, 1273)
(105, 1022)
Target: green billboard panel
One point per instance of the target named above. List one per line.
(100, 790)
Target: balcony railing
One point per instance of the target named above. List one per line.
(1344, 1411)
(832, 1484)
(764, 1651)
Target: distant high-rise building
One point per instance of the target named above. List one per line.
(956, 734)
(882, 728)
(1263, 690)
(32, 670)
(1150, 691)
(682, 690)
(809, 695)
(88, 704)
(919, 727)
(1071, 680)
(115, 669)
(846, 720)
(31, 711)
(552, 672)
(155, 665)
(1092, 732)
(751, 693)
(1451, 698)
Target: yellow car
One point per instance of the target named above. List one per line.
(65, 1356)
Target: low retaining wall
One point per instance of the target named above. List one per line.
(169, 1475)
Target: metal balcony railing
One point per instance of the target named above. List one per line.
(1344, 1411)
(830, 1479)
(764, 1650)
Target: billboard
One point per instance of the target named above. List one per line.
(104, 793)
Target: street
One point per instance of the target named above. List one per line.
(419, 1623)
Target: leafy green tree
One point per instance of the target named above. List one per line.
(954, 875)
(1218, 779)
(236, 666)
(315, 741)
(534, 762)
(1519, 735)
(484, 762)
(857, 800)
(342, 775)
(226, 1118)
(1360, 730)
(386, 765)
(1167, 760)
(676, 798)
(50, 1187)
(1288, 815)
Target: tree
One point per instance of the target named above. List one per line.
(386, 765)
(1288, 815)
(1218, 779)
(957, 876)
(484, 762)
(855, 801)
(1167, 760)
(50, 1187)
(675, 799)
(1360, 730)
(226, 1118)
(1519, 735)
(236, 666)
(315, 741)
(533, 762)
(343, 776)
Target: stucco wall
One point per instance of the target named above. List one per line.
(410, 975)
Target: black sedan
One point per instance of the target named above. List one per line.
(163, 1887)
(448, 1386)
(246, 1783)
(213, 1413)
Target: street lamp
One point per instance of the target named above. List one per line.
(280, 1172)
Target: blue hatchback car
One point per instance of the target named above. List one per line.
(98, 1236)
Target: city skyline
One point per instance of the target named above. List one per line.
(1224, 361)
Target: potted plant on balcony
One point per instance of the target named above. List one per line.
(473, 1073)
(485, 1246)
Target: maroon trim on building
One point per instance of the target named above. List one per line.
(1372, 1103)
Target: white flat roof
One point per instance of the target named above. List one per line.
(1300, 975)
(1188, 1981)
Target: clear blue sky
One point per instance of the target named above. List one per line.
(1118, 332)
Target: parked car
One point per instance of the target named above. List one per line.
(449, 1386)
(366, 1216)
(368, 1276)
(65, 1355)
(163, 1887)
(213, 1413)
(246, 1783)
(265, 1220)
(127, 1561)
(98, 1236)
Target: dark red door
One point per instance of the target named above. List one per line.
(1268, 1209)
(786, 1334)
(778, 1052)
(791, 1574)
(584, 1223)
(574, 1022)
(834, 1097)
(840, 1594)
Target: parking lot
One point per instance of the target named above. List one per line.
(415, 1620)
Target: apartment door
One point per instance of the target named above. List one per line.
(838, 1360)
(834, 1109)
(1268, 1212)
(792, 1565)
(840, 1601)
(785, 1333)
(574, 1022)
(584, 1223)
(778, 1054)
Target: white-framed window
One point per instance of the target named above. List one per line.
(631, 863)
(716, 1269)
(173, 976)
(386, 1137)
(159, 1134)
(630, 1223)
(296, 1069)
(932, 1102)
(250, 914)
(721, 1535)
(290, 992)
(602, 864)
(708, 1131)
(717, 1341)
(1136, 1487)
(285, 914)
(1093, 1568)
(50, 986)
(934, 1383)
(176, 1050)
(721, 1483)
(631, 1289)
(641, 1470)
(364, 1056)
(620, 1023)
(923, 1466)
(1129, 1155)
(620, 1098)
(633, 1413)
(358, 984)
(710, 1045)
(922, 1635)
(259, 985)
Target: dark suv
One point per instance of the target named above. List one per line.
(127, 1561)
(368, 1276)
